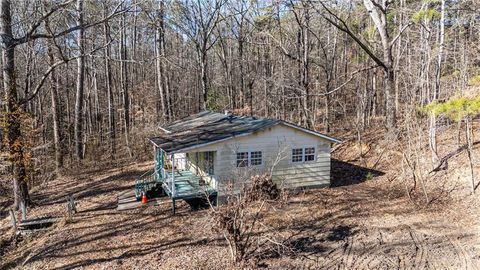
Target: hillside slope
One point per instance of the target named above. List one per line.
(365, 222)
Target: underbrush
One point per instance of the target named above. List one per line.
(407, 162)
(98, 156)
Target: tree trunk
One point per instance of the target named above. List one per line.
(203, 74)
(162, 83)
(163, 66)
(124, 82)
(28, 77)
(161, 92)
(57, 133)
(390, 99)
(438, 70)
(468, 135)
(326, 120)
(241, 100)
(432, 135)
(379, 17)
(13, 133)
(109, 86)
(78, 128)
(436, 92)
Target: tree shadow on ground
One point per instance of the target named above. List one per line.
(345, 174)
(4, 206)
(307, 244)
(340, 233)
(87, 188)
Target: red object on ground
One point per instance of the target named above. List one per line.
(144, 198)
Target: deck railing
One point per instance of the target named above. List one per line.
(167, 182)
(145, 182)
(169, 177)
(164, 176)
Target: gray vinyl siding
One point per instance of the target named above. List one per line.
(276, 144)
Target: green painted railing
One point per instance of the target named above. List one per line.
(146, 182)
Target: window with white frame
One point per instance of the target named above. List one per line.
(297, 155)
(253, 158)
(242, 159)
(304, 154)
(309, 154)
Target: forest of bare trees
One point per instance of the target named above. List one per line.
(88, 79)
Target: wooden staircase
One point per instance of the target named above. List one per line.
(147, 183)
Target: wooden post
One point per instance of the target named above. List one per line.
(162, 165)
(71, 207)
(155, 155)
(173, 177)
(14, 220)
(173, 206)
(74, 204)
(24, 210)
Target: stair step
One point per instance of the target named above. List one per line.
(127, 200)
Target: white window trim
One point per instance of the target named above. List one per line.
(250, 158)
(303, 154)
(236, 159)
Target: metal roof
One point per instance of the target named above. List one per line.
(209, 127)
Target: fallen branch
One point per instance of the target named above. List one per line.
(443, 164)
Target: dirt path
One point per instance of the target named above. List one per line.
(363, 226)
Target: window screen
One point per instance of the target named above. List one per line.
(309, 154)
(242, 159)
(297, 155)
(256, 158)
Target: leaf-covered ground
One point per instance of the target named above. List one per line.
(361, 225)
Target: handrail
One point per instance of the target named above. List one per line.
(147, 173)
(144, 182)
(166, 185)
(164, 173)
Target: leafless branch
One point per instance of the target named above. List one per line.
(33, 36)
(51, 69)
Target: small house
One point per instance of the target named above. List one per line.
(213, 153)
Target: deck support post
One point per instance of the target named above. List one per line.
(155, 154)
(173, 176)
(173, 206)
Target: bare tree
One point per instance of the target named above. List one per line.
(124, 82)
(109, 82)
(13, 133)
(302, 17)
(378, 11)
(198, 20)
(57, 124)
(8, 42)
(79, 102)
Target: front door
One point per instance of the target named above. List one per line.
(209, 161)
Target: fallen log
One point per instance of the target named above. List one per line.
(443, 164)
(37, 223)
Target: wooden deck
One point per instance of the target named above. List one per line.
(187, 186)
